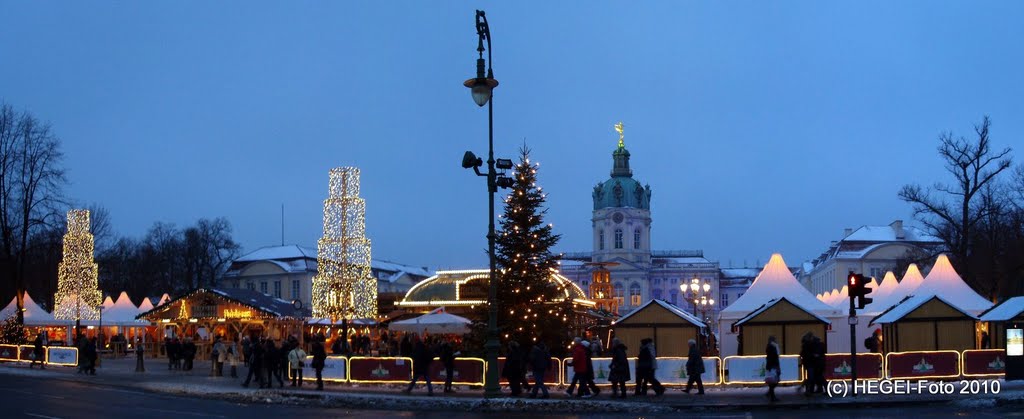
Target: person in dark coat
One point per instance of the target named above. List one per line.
(646, 364)
(513, 369)
(37, 353)
(92, 355)
(694, 368)
(319, 358)
(619, 369)
(271, 357)
(405, 348)
(540, 361)
(807, 350)
(255, 364)
(772, 368)
(422, 356)
(819, 365)
(186, 351)
(448, 359)
(589, 377)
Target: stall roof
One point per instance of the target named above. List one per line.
(1009, 309)
(775, 281)
(247, 297)
(671, 308)
(898, 311)
(945, 282)
(771, 304)
(911, 281)
(34, 315)
(122, 313)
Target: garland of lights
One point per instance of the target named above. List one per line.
(78, 296)
(344, 287)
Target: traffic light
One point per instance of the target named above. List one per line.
(858, 289)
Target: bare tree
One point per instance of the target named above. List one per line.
(951, 211)
(31, 179)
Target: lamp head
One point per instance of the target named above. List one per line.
(470, 160)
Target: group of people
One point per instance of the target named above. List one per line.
(422, 351)
(180, 353)
(88, 355)
(812, 356)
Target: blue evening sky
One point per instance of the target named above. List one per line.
(761, 126)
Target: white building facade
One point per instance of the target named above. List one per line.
(868, 250)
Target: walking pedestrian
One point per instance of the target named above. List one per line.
(694, 368)
(297, 361)
(271, 359)
(807, 351)
(772, 368)
(819, 365)
(421, 359)
(246, 350)
(540, 361)
(646, 365)
(448, 359)
(512, 371)
(319, 359)
(92, 354)
(218, 356)
(619, 369)
(255, 364)
(38, 354)
(589, 382)
(233, 355)
(579, 369)
(140, 355)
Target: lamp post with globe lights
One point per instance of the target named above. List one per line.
(698, 293)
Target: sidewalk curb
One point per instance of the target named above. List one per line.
(387, 401)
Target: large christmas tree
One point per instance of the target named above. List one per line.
(533, 307)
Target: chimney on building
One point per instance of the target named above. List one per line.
(847, 232)
(897, 227)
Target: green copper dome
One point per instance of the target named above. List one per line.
(621, 190)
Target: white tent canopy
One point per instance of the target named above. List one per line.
(943, 281)
(883, 294)
(910, 282)
(122, 313)
(108, 303)
(145, 306)
(34, 315)
(436, 323)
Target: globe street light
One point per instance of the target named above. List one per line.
(482, 89)
(699, 295)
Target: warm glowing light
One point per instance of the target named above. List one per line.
(344, 286)
(77, 296)
(230, 313)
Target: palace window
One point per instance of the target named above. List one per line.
(725, 300)
(250, 285)
(634, 295)
(618, 294)
(673, 297)
(600, 239)
(636, 239)
(263, 287)
(618, 238)
(656, 294)
(296, 289)
(277, 289)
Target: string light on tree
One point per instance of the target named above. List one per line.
(78, 296)
(344, 287)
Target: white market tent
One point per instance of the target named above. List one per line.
(774, 282)
(842, 299)
(1006, 311)
(34, 315)
(123, 313)
(910, 282)
(882, 294)
(145, 306)
(435, 323)
(943, 281)
(108, 303)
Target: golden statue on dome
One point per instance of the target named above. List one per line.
(618, 127)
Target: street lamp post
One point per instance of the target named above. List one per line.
(482, 89)
(700, 296)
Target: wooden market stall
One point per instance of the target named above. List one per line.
(781, 318)
(232, 313)
(669, 326)
(1009, 312)
(926, 323)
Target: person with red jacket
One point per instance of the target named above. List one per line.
(579, 369)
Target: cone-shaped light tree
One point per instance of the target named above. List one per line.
(78, 296)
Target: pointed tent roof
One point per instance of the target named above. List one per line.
(123, 313)
(841, 298)
(164, 299)
(943, 281)
(34, 315)
(883, 293)
(775, 281)
(107, 303)
(910, 282)
(146, 305)
(833, 296)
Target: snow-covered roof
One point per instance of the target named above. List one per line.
(244, 296)
(888, 233)
(943, 281)
(278, 253)
(34, 315)
(775, 281)
(1009, 309)
(728, 273)
(385, 265)
(895, 313)
(910, 282)
(667, 306)
(882, 293)
(771, 304)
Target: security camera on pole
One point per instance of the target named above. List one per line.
(858, 291)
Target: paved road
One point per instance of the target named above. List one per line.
(27, 397)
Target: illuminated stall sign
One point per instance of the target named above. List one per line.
(379, 370)
(1014, 342)
(923, 364)
(751, 369)
(467, 371)
(231, 313)
(551, 376)
(839, 367)
(62, 355)
(983, 363)
(8, 352)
